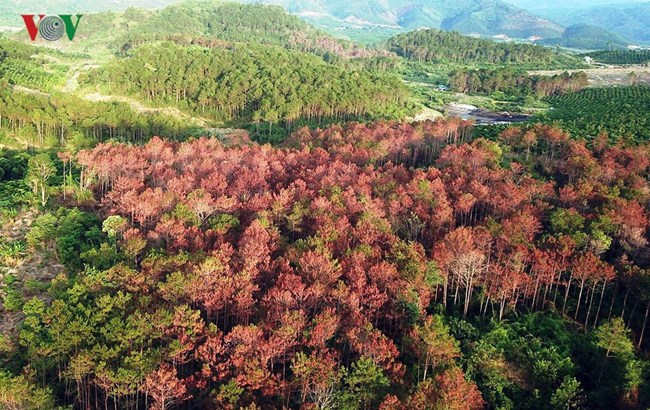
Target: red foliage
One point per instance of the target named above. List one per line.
(329, 246)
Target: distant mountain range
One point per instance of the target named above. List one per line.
(619, 22)
(628, 18)
(631, 20)
(481, 17)
(553, 6)
(588, 37)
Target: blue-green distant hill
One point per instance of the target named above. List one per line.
(628, 18)
(631, 21)
(482, 17)
(588, 37)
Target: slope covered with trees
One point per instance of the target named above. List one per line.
(22, 64)
(252, 84)
(443, 47)
(56, 120)
(515, 82)
(371, 264)
(588, 37)
(205, 22)
(367, 266)
(244, 23)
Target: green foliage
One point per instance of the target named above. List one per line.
(42, 231)
(77, 232)
(70, 327)
(33, 286)
(588, 37)
(207, 23)
(11, 253)
(70, 233)
(113, 225)
(511, 82)
(229, 393)
(13, 165)
(199, 22)
(568, 395)
(223, 222)
(621, 56)
(183, 213)
(623, 112)
(634, 374)
(40, 169)
(619, 374)
(525, 364)
(103, 257)
(252, 84)
(569, 222)
(17, 392)
(14, 192)
(444, 47)
(66, 120)
(21, 65)
(364, 386)
(13, 300)
(614, 337)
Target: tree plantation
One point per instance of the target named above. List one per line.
(623, 112)
(443, 47)
(252, 84)
(512, 82)
(59, 119)
(364, 266)
(218, 206)
(621, 56)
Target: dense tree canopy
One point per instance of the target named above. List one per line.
(60, 119)
(444, 47)
(514, 82)
(233, 22)
(621, 56)
(20, 65)
(227, 277)
(364, 264)
(251, 83)
(623, 112)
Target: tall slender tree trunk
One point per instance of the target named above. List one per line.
(627, 292)
(600, 303)
(629, 321)
(566, 292)
(645, 322)
(602, 369)
(591, 302)
(582, 286)
(502, 307)
(611, 305)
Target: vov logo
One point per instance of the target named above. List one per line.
(51, 28)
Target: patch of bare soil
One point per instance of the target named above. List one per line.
(141, 108)
(29, 267)
(609, 76)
